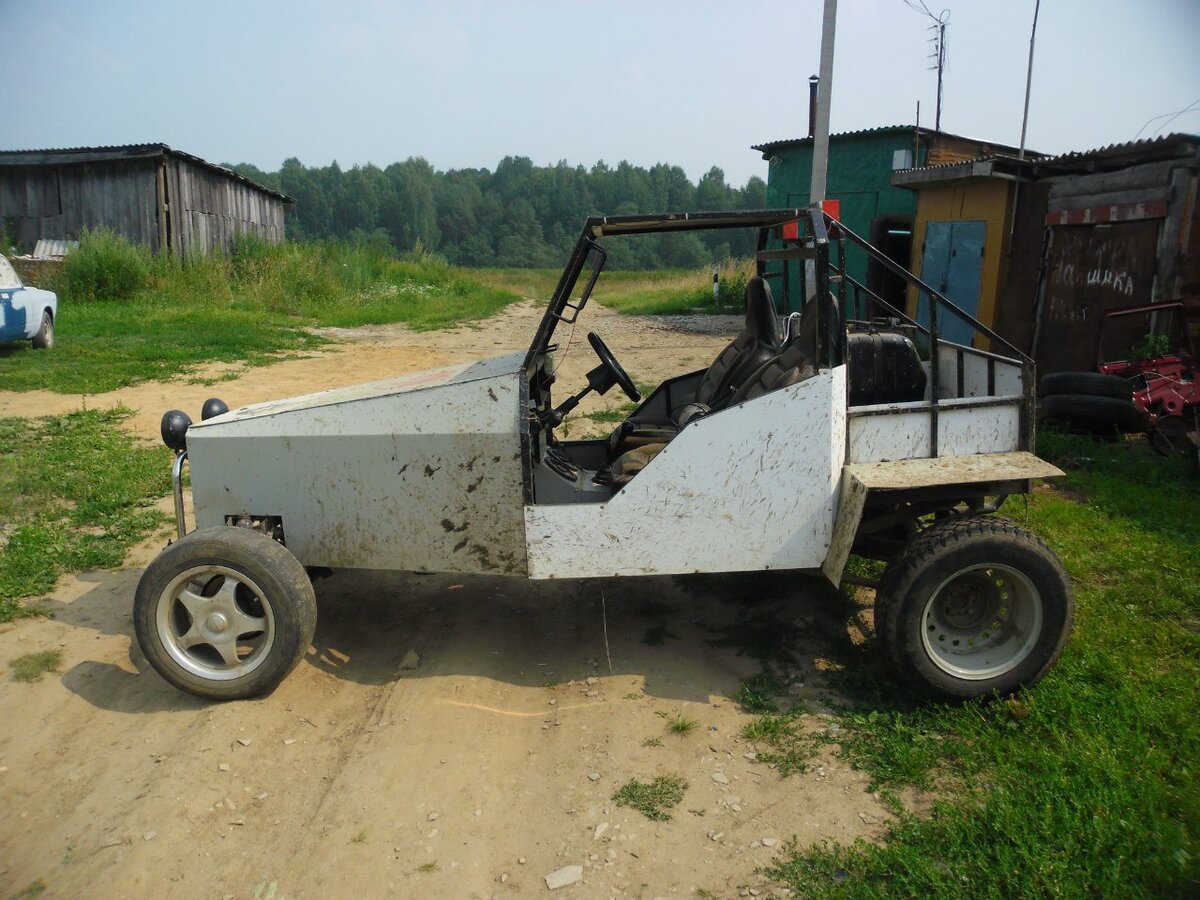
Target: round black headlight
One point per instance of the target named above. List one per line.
(213, 406)
(175, 423)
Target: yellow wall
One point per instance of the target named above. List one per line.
(983, 200)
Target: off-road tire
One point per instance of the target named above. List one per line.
(1088, 384)
(1097, 415)
(44, 339)
(930, 562)
(284, 584)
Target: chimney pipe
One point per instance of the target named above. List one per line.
(813, 81)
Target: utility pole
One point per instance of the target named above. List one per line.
(1028, 79)
(820, 160)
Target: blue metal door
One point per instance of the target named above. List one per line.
(951, 262)
(12, 321)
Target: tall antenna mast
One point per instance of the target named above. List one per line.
(937, 48)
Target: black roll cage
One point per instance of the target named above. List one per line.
(784, 235)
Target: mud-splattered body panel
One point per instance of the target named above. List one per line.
(422, 473)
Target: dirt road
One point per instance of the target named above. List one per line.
(446, 737)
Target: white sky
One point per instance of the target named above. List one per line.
(691, 82)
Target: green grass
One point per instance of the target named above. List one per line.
(32, 666)
(75, 493)
(654, 800)
(642, 293)
(672, 292)
(652, 742)
(161, 318)
(1087, 784)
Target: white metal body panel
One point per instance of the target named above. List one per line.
(901, 431)
(422, 472)
(751, 487)
(975, 365)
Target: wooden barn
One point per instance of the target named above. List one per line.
(150, 193)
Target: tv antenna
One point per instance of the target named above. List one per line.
(937, 48)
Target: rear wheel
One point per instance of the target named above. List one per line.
(225, 613)
(973, 607)
(44, 339)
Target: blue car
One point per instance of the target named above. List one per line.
(28, 313)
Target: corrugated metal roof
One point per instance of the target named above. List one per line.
(1152, 145)
(767, 147)
(770, 145)
(1147, 150)
(79, 155)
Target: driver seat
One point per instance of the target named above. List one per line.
(757, 342)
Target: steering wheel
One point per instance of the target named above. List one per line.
(620, 376)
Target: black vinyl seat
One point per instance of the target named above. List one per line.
(757, 342)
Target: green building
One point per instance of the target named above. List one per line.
(861, 164)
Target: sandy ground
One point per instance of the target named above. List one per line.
(445, 737)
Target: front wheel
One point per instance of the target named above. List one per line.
(974, 607)
(225, 613)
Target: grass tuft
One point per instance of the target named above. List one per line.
(653, 800)
(681, 725)
(32, 666)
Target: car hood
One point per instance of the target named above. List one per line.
(460, 373)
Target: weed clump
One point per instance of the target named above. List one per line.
(653, 800)
(106, 266)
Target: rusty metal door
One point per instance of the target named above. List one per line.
(1090, 268)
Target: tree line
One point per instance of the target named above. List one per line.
(519, 215)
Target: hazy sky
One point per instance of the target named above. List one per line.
(467, 83)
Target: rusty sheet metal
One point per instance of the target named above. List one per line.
(1091, 268)
(421, 473)
(748, 488)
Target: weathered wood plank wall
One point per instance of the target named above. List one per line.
(203, 209)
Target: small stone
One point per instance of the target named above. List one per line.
(521, 860)
(598, 831)
(753, 757)
(478, 813)
(715, 835)
(592, 680)
(411, 660)
(720, 778)
(503, 877)
(736, 807)
(553, 702)
(222, 767)
(565, 876)
(770, 842)
(287, 742)
(592, 694)
(149, 835)
(432, 817)
(593, 776)
(245, 742)
(263, 796)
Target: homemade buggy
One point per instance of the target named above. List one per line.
(806, 439)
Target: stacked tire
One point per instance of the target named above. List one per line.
(1091, 403)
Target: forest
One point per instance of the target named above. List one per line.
(519, 215)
